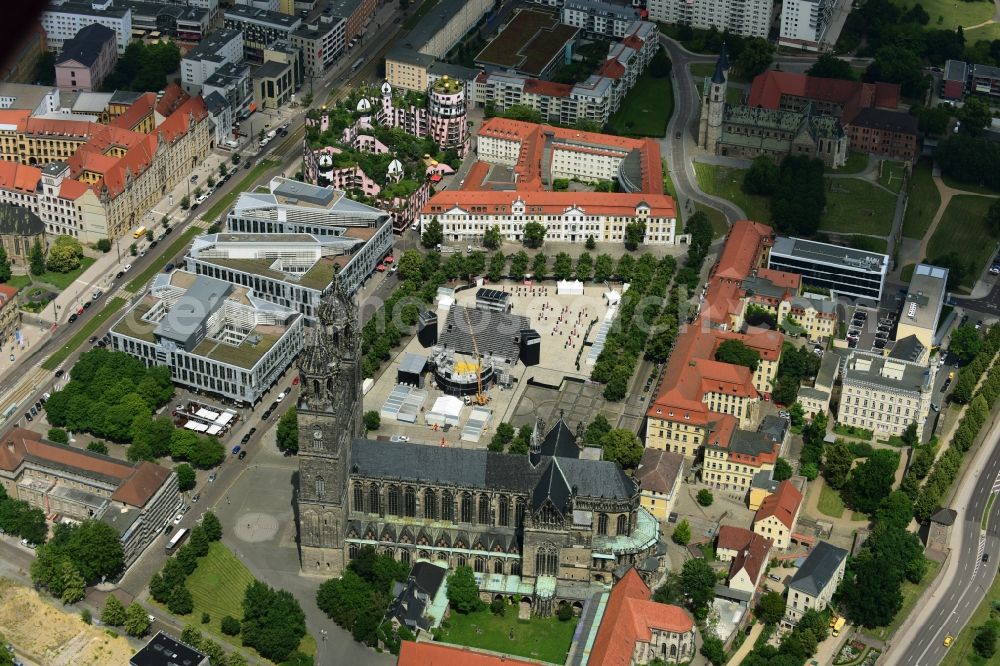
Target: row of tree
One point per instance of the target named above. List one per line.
(796, 364)
(134, 619)
(169, 585)
(969, 159)
(795, 188)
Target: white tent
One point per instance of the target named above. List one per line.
(569, 288)
(445, 302)
(445, 411)
(612, 297)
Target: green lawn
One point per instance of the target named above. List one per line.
(987, 32)
(719, 225)
(923, 203)
(986, 512)
(58, 280)
(668, 182)
(545, 639)
(646, 109)
(962, 227)
(140, 280)
(867, 243)
(246, 184)
(19, 281)
(830, 503)
(906, 273)
(911, 593)
(856, 163)
(726, 183)
(734, 95)
(86, 330)
(967, 187)
(891, 175)
(700, 69)
(855, 206)
(961, 652)
(953, 14)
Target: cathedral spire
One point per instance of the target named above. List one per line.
(329, 343)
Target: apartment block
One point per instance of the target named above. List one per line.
(925, 298)
(218, 48)
(62, 21)
(749, 18)
(804, 23)
(260, 28)
(183, 23)
(885, 395)
(87, 59)
(597, 17)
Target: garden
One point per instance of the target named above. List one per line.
(546, 639)
(856, 653)
(646, 109)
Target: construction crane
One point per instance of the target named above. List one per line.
(481, 398)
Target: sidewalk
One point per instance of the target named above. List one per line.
(748, 644)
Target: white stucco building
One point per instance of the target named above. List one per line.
(749, 18)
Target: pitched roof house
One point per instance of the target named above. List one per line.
(778, 513)
(815, 582)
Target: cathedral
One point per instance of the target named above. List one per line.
(547, 526)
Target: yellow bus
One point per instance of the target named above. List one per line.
(838, 626)
(139, 233)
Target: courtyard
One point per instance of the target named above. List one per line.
(545, 639)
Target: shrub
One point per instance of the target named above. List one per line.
(205, 618)
(230, 625)
(565, 613)
(705, 497)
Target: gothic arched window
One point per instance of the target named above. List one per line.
(393, 501)
(460, 561)
(503, 511)
(320, 486)
(410, 502)
(622, 526)
(480, 565)
(352, 551)
(447, 506)
(546, 560)
(404, 557)
(519, 513)
(466, 508)
(484, 510)
(359, 498)
(498, 566)
(374, 500)
(430, 505)
(602, 524)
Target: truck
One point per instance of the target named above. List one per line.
(838, 626)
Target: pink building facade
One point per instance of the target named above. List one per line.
(87, 59)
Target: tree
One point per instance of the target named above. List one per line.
(73, 586)
(584, 267)
(975, 115)
(837, 464)
(411, 265)
(498, 607)
(518, 266)
(590, 244)
(213, 528)
(705, 497)
(497, 263)
(4, 266)
(534, 234)
(872, 597)
(58, 435)
(755, 57)
(180, 602)
(539, 265)
(273, 621)
(562, 268)
(829, 66)
(762, 177)
(799, 197)
(492, 238)
(433, 233)
(909, 435)
(737, 353)
(185, 476)
(713, 649)
(898, 64)
(103, 245)
(199, 541)
(288, 431)
(98, 447)
(796, 415)
(985, 641)
(36, 258)
(136, 620)
(771, 608)
(230, 625)
(660, 65)
(782, 470)
(896, 510)
(809, 470)
(185, 204)
(604, 267)
(635, 233)
(965, 341)
(698, 583)
(565, 612)
(596, 430)
(114, 612)
(623, 447)
(65, 255)
(463, 593)
(682, 533)
(871, 482)
(372, 420)
(503, 436)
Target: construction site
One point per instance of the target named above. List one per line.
(481, 352)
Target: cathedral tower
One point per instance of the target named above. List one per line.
(713, 104)
(329, 413)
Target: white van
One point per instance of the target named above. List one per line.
(272, 134)
(232, 145)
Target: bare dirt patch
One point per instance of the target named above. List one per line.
(50, 636)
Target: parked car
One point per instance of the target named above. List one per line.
(267, 414)
(399, 438)
(168, 268)
(93, 339)
(73, 317)
(169, 529)
(97, 294)
(28, 416)
(236, 449)
(119, 274)
(212, 477)
(246, 438)
(126, 268)
(194, 178)
(59, 373)
(195, 498)
(178, 518)
(281, 396)
(86, 305)
(243, 454)
(252, 431)
(153, 244)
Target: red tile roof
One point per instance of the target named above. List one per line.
(781, 278)
(550, 203)
(768, 88)
(14, 176)
(438, 654)
(72, 189)
(783, 504)
(16, 117)
(658, 470)
(7, 292)
(752, 558)
(547, 88)
(743, 249)
(135, 113)
(141, 484)
(173, 97)
(731, 537)
(629, 617)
